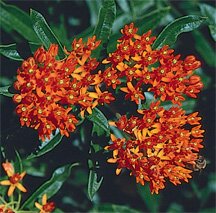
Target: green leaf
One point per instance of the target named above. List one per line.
(151, 20)
(210, 12)
(105, 21)
(152, 201)
(175, 208)
(5, 91)
(50, 187)
(170, 33)
(44, 32)
(108, 207)
(18, 20)
(10, 51)
(47, 145)
(93, 184)
(94, 7)
(100, 122)
(204, 48)
(123, 4)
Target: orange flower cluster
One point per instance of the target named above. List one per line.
(165, 74)
(50, 88)
(160, 145)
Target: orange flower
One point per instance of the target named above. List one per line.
(162, 72)
(159, 145)
(50, 88)
(46, 207)
(14, 179)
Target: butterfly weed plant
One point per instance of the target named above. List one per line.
(118, 96)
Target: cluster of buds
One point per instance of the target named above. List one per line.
(50, 88)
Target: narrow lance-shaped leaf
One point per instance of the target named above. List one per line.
(170, 33)
(100, 122)
(108, 207)
(152, 201)
(47, 146)
(52, 186)
(210, 12)
(204, 48)
(18, 20)
(10, 51)
(106, 18)
(44, 32)
(93, 184)
(5, 91)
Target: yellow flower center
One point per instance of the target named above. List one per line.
(23, 109)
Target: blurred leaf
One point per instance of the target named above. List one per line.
(140, 7)
(93, 184)
(10, 51)
(112, 208)
(152, 201)
(206, 80)
(210, 12)
(18, 163)
(105, 21)
(44, 32)
(203, 47)
(210, 210)
(123, 4)
(152, 19)
(100, 123)
(94, 7)
(52, 186)
(5, 91)
(18, 20)
(57, 210)
(170, 33)
(212, 182)
(60, 31)
(47, 145)
(175, 208)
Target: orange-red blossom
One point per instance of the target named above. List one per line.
(14, 179)
(45, 207)
(169, 77)
(161, 145)
(49, 89)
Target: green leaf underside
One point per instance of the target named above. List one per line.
(100, 122)
(210, 12)
(112, 208)
(47, 146)
(52, 186)
(106, 18)
(5, 91)
(44, 32)
(10, 51)
(18, 20)
(203, 47)
(170, 33)
(93, 184)
(151, 201)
